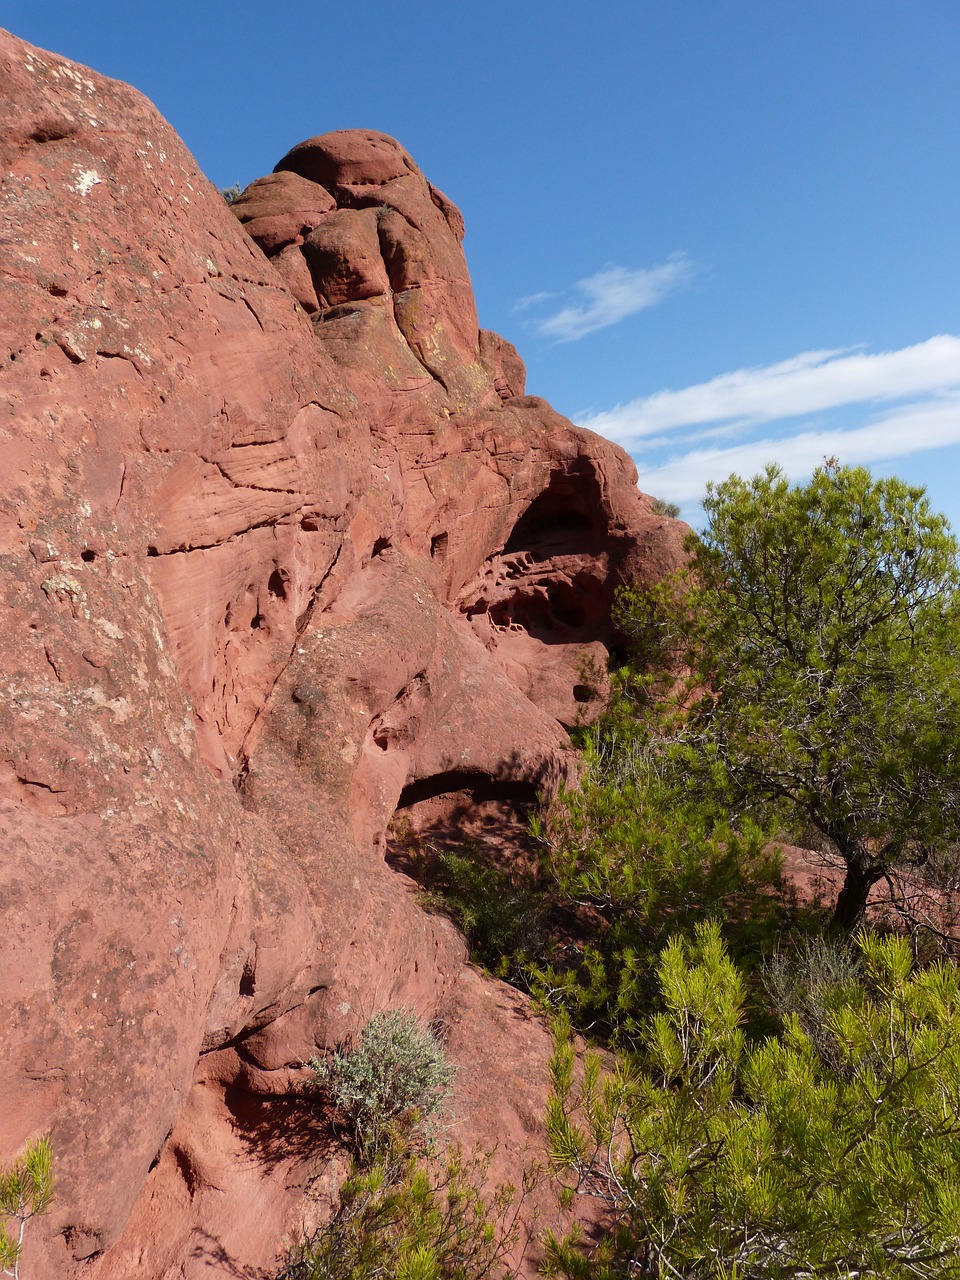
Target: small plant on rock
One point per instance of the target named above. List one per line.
(26, 1190)
(660, 507)
(394, 1080)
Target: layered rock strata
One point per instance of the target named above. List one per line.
(284, 546)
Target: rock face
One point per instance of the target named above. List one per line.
(285, 548)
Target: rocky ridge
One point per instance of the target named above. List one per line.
(286, 550)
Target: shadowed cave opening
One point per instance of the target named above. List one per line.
(567, 518)
(459, 806)
(555, 612)
(482, 787)
(552, 578)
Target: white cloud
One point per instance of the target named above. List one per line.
(611, 296)
(927, 424)
(532, 300)
(807, 383)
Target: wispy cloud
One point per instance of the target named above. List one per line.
(808, 383)
(610, 296)
(908, 429)
(533, 300)
(860, 407)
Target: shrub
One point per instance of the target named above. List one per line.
(639, 864)
(232, 194)
(501, 911)
(397, 1220)
(660, 507)
(26, 1189)
(624, 862)
(791, 1157)
(394, 1080)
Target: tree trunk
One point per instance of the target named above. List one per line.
(862, 875)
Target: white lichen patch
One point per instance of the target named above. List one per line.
(121, 708)
(74, 73)
(62, 587)
(108, 628)
(86, 180)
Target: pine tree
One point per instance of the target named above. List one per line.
(26, 1189)
(820, 625)
(822, 1152)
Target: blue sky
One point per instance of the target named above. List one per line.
(722, 232)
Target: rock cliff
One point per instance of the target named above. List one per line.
(286, 549)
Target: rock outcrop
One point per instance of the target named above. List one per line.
(285, 547)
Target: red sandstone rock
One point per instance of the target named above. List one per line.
(349, 158)
(282, 209)
(264, 580)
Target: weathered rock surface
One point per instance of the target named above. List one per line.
(284, 545)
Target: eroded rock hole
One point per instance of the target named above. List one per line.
(381, 545)
(188, 1170)
(553, 616)
(550, 527)
(438, 546)
(567, 611)
(469, 812)
(480, 786)
(248, 980)
(276, 585)
(88, 556)
(52, 131)
(567, 518)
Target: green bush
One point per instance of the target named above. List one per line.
(403, 1212)
(395, 1079)
(623, 862)
(660, 507)
(502, 912)
(637, 863)
(397, 1220)
(835, 1155)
